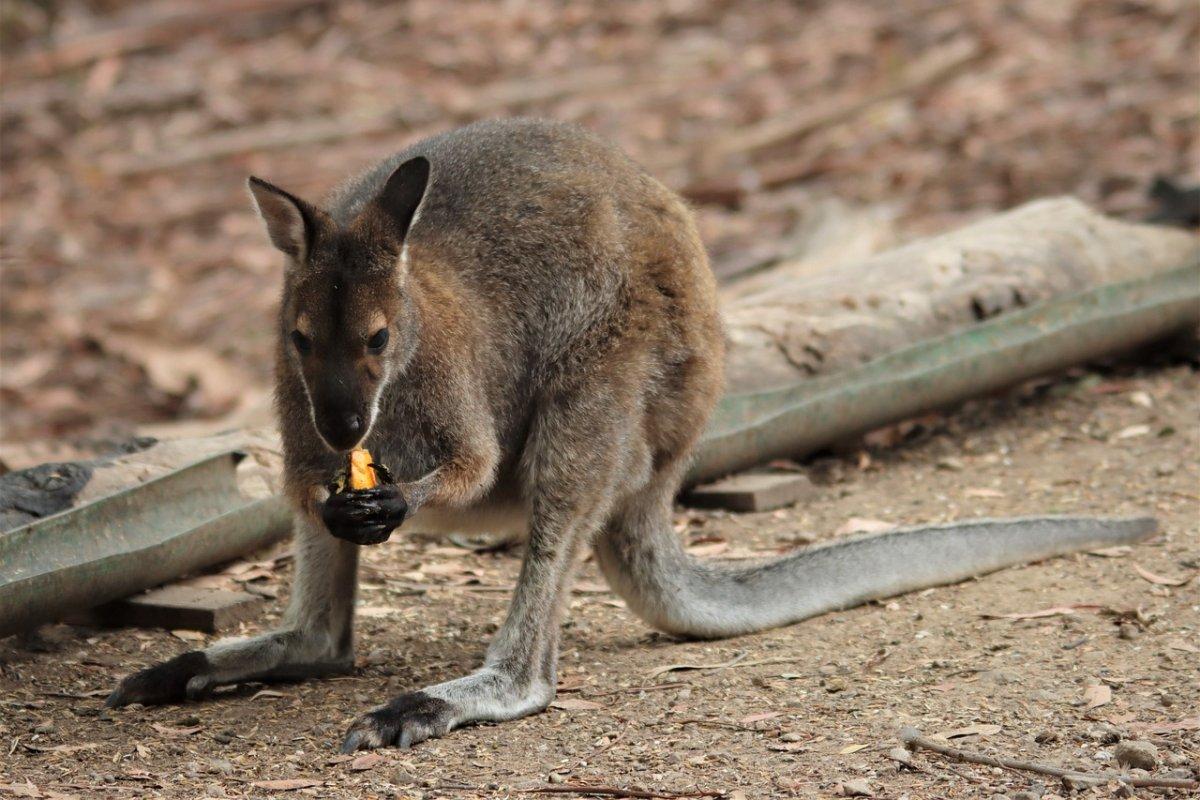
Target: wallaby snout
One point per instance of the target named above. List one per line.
(342, 417)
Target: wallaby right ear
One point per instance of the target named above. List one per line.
(403, 193)
(291, 223)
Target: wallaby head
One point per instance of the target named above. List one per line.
(347, 321)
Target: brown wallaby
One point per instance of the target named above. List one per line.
(522, 325)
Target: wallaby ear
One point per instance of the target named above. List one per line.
(402, 194)
(291, 223)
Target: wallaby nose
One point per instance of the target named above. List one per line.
(341, 431)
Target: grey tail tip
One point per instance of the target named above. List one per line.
(1144, 527)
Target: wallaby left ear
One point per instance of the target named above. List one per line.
(291, 223)
(402, 194)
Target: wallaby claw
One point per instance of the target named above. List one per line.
(407, 720)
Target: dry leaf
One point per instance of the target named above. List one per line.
(267, 693)
(971, 730)
(852, 748)
(21, 790)
(447, 568)
(1098, 694)
(60, 748)
(983, 492)
(167, 730)
(286, 784)
(1120, 551)
(366, 762)
(654, 673)
(188, 636)
(1186, 724)
(861, 525)
(1184, 646)
(1057, 611)
(709, 549)
(375, 612)
(759, 717)
(575, 704)
(1133, 431)
(1160, 579)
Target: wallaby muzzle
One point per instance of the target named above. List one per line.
(342, 417)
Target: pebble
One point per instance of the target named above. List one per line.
(220, 765)
(1137, 754)
(792, 736)
(1027, 796)
(1128, 631)
(834, 685)
(188, 721)
(1046, 737)
(1177, 760)
(1106, 733)
(45, 727)
(858, 787)
(224, 737)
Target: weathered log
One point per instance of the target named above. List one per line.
(794, 322)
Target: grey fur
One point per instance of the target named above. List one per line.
(555, 353)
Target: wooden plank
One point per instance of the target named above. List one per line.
(179, 607)
(752, 491)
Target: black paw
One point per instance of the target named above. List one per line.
(365, 516)
(410, 718)
(163, 683)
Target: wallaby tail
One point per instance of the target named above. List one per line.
(645, 563)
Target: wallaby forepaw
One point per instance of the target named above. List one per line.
(365, 516)
(183, 677)
(407, 720)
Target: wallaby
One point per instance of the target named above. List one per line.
(522, 325)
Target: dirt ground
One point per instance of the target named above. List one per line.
(821, 706)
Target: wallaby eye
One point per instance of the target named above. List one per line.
(301, 342)
(378, 340)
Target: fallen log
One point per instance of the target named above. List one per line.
(794, 322)
(950, 324)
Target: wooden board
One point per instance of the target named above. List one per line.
(752, 491)
(178, 607)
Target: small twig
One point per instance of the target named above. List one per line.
(615, 791)
(913, 740)
(654, 687)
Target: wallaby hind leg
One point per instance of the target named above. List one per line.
(315, 639)
(571, 481)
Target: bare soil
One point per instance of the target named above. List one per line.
(824, 702)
